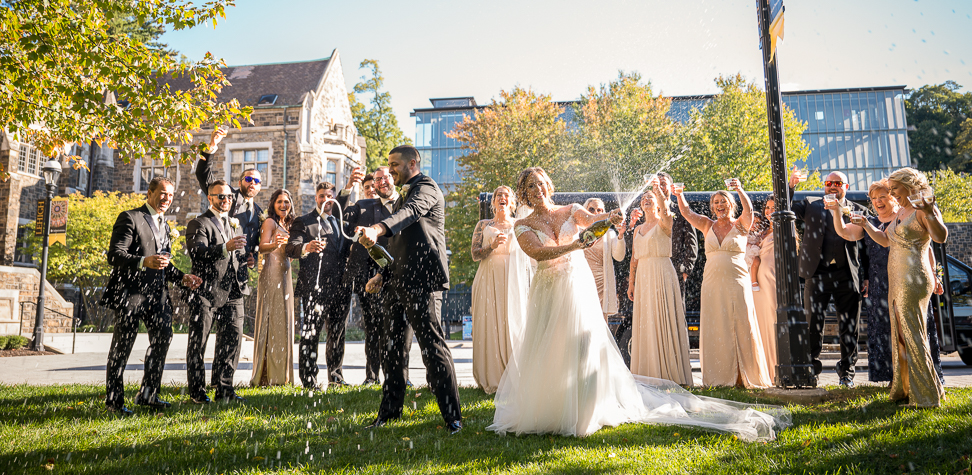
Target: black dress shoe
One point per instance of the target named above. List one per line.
(202, 399)
(378, 422)
(369, 382)
(232, 397)
(120, 410)
(337, 383)
(154, 402)
(847, 382)
(454, 427)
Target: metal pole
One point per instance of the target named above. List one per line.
(792, 331)
(38, 344)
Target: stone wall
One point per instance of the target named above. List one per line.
(20, 284)
(960, 241)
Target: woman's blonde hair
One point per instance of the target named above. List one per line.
(512, 203)
(521, 184)
(914, 180)
(729, 198)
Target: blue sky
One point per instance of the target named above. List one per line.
(430, 48)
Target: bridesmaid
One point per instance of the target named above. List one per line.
(600, 258)
(763, 274)
(273, 348)
(491, 248)
(730, 345)
(659, 338)
(911, 280)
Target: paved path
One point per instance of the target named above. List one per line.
(87, 364)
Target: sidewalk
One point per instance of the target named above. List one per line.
(87, 364)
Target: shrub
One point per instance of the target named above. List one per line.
(16, 342)
(3, 342)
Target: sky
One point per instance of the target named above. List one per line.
(431, 49)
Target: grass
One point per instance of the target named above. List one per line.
(64, 429)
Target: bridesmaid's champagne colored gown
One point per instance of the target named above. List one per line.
(910, 286)
(273, 345)
(730, 345)
(659, 337)
(490, 332)
(765, 301)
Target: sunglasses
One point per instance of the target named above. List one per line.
(833, 183)
(250, 179)
(221, 196)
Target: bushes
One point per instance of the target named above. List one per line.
(13, 342)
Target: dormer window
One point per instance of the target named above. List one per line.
(267, 100)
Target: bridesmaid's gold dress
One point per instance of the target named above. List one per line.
(910, 286)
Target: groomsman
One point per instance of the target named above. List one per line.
(242, 204)
(361, 267)
(831, 267)
(316, 239)
(137, 290)
(216, 244)
(415, 281)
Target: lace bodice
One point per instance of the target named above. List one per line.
(568, 234)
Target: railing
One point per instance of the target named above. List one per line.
(48, 310)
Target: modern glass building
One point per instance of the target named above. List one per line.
(859, 131)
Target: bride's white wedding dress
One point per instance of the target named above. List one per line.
(566, 375)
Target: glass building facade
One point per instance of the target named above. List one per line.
(861, 131)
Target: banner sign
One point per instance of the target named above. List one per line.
(59, 219)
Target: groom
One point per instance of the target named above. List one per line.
(415, 281)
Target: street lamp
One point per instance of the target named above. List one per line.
(52, 170)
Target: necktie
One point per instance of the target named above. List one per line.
(337, 231)
(225, 224)
(162, 232)
(249, 210)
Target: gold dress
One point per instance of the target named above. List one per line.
(273, 336)
(910, 286)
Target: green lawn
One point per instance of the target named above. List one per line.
(64, 429)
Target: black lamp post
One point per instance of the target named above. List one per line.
(52, 170)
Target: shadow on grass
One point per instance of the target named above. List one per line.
(324, 432)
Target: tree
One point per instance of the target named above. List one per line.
(963, 148)
(83, 261)
(64, 62)
(522, 129)
(378, 125)
(729, 137)
(937, 112)
(623, 133)
(953, 195)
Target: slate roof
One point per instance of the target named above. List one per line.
(289, 81)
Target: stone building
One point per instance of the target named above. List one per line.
(301, 134)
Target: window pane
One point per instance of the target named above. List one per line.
(960, 284)
(236, 170)
(263, 155)
(237, 156)
(331, 166)
(262, 168)
(249, 155)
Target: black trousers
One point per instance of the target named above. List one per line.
(817, 293)
(229, 335)
(418, 309)
(158, 322)
(327, 311)
(372, 312)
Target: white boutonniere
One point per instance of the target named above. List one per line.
(263, 216)
(405, 189)
(235, 223)
(173, 232)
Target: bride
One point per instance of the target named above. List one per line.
(566, 375)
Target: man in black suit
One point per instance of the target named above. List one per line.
(317, 240)
(361, 267)
(830, 267)
(216, 244)
(137, 290)
(243, 207)
(415, 282)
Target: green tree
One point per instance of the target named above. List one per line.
(963, 148)
(623, 133)
(83, 261)
(729, 137)
(937, 112)
(64, 62)
(521, 129)
(953, 195)
(377, 124)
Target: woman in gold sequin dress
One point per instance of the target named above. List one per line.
(911, 283)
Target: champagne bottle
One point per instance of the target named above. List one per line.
(596, 230)
(380, 255)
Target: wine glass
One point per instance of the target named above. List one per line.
(916, 200)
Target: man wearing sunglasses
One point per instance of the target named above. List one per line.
(831, 268)
(242, 206)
